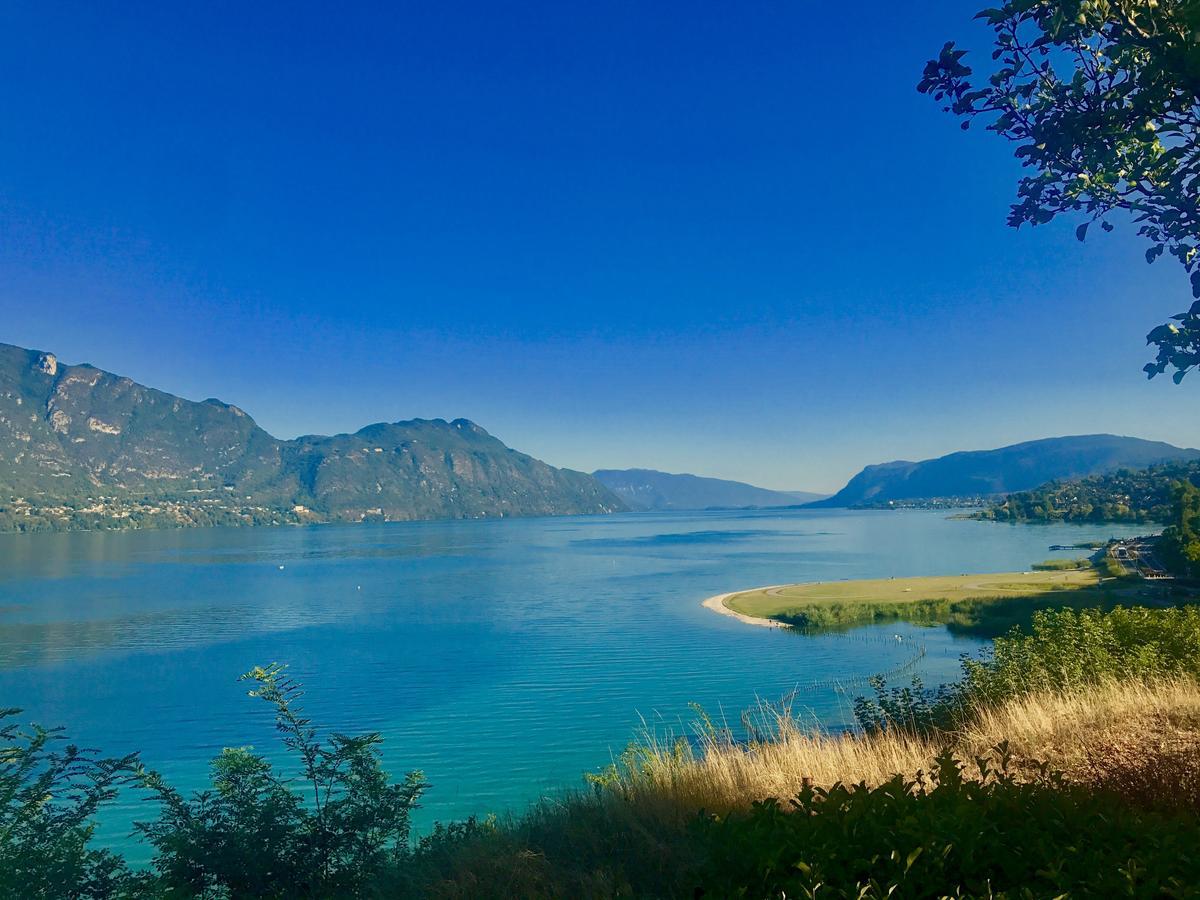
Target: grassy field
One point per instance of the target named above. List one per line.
(978, 604)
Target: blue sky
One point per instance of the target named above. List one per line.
(729, 239)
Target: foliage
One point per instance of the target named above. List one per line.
(1102, 98)
(1061, 650)
(1110, 568)
(1069, 648)
(48, 796)
(911, 708)
(953, 832)
(1127, 495)
(253, 835)
(1180, 542)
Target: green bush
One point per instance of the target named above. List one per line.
(344, 831)
(1180, 542)
(951, 835)
(1062, 649)
(253, 835)
(1068, 648)
(48, 797)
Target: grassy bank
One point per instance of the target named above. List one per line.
(1087, 788)
(986, 605)
(984, 812)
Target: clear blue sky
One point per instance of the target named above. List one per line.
(722, 238)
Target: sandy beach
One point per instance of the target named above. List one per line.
(717, 604)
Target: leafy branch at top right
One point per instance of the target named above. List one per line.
(1102, 98)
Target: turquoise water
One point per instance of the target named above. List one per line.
(504, 658)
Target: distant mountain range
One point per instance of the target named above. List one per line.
(81, 447)
(649, 489)
(1020, 467)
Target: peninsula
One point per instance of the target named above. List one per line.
(983, 604)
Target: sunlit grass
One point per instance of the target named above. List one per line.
(987, 605)
(635, 833)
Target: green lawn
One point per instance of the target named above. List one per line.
(981, 604)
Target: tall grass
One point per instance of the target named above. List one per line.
(662, 820)
(1069, 730)
(1098, 719)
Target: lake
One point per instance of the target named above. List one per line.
(503, 658)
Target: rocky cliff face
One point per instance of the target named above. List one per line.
(66, 430)
(72, 435)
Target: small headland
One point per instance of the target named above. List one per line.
(982, 604)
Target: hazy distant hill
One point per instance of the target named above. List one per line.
(80, 447)
(1019, 467)
(648, 489)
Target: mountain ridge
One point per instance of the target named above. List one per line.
(647, 489)
(97, 449)
(1003, 470)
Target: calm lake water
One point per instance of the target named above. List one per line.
(504, 658)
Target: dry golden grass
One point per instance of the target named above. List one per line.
(1135, 736)
(1139, 739)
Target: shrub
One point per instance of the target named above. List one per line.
(949, 834)
(48, 797)
(252, 835)
(1063, 649)
(1067, 648)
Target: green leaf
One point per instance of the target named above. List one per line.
(912, 858)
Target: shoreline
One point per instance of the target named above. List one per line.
(717, 605)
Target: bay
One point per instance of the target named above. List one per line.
(502, 658)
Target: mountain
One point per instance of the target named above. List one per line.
(648, 489)
(979, 473)
(81, 447)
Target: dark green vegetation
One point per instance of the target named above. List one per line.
(1180, 542)
(980, 473)
(49, 793)
(967, 828)
(993, 825)
(648, 489)
(336, 827)
(82, 448)
(1101, 99)
(1059, 565)
(1127, 495)
(1061, 650)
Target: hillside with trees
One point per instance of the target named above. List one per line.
(1127, 495)
(1180, 543)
